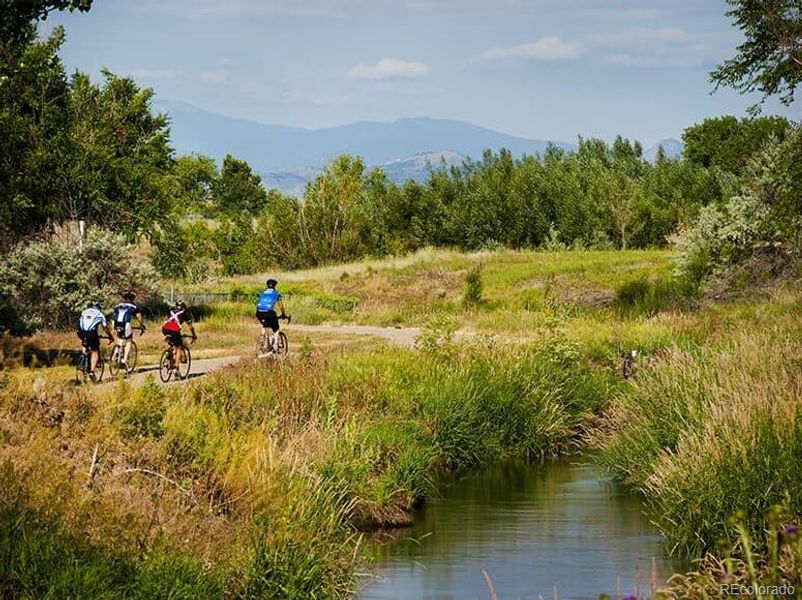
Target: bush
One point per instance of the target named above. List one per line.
(472, 293)
(648, 297)
(754, 223)
(48, 282)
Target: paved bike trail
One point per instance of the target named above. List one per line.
(399, 336)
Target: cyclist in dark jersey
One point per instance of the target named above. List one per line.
(124, 314)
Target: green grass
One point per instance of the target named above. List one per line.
(267, 475)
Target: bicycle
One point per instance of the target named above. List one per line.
(83, 371)
(117, 355)
(264, 345)
(167, 366)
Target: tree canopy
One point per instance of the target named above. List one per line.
(769, 61)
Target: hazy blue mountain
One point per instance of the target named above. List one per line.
(276, 148)
(417, 167)
(673, 148)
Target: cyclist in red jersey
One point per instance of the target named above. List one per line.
(171, 329)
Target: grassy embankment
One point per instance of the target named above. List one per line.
(256, 482)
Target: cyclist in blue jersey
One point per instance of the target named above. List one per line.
(124, 314)
(89, 322)
(266, 306)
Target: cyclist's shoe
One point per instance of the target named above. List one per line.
(92, 376)
(124, 364)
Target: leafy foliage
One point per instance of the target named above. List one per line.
(49, 282)
(728, 143)
(762, 220)
(770, 59)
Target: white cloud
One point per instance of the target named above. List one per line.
(155, 74)
(657, 48)
(216, 77)
(641, 36)
(548, 48)
(389, 68)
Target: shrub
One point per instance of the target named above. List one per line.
(761, 221)
(648, 297)
(47, 282)
(472, 293)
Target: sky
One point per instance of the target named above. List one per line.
(546, 69)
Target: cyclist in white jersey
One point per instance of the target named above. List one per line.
(89, 322)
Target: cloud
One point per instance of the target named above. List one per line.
(643, 36)
(216, 77)
(389, 68)
(155, 74)
(548, 48)
(657, 48)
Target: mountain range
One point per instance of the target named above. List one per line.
(288, 158)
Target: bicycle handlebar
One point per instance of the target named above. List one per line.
(287, 318)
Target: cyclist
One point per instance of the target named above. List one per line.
(172, 330)
(269, 299)
(124, 314)
(89, 322)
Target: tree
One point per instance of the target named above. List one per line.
(119, 156)
(34, 117)
(623, 207)
(238, 188)
(16, 25)
(728, 143)
(770, 60)
(191, 183)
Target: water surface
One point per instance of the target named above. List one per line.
(532, 527)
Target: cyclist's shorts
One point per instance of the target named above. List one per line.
(90, 339)
(173, 337)
(268, 318)
(124, 330)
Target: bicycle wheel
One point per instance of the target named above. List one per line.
(186, 360)
(133, 354)
(261, 345)
(166, 365)
(80, 369)
(282, 345)
(114, 361)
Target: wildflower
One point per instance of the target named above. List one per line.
(726, 577)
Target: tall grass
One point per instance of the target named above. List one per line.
(713, 431)
(266, 473)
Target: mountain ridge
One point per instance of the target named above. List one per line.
(276, 148)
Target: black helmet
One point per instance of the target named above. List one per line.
(271, 283)
(181, 304)
(129, 295)
(97, 304)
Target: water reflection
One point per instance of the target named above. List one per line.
(532, 527)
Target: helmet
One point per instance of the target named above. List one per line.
(129, 295)
(271, 283)
(97, 304)
(181, 304)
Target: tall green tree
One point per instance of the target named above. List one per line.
(17, 18)
(238, 188)
(727, 143)
(120, 156)
(769, 61)
(34, 139)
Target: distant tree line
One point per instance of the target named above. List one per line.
(72, 149)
